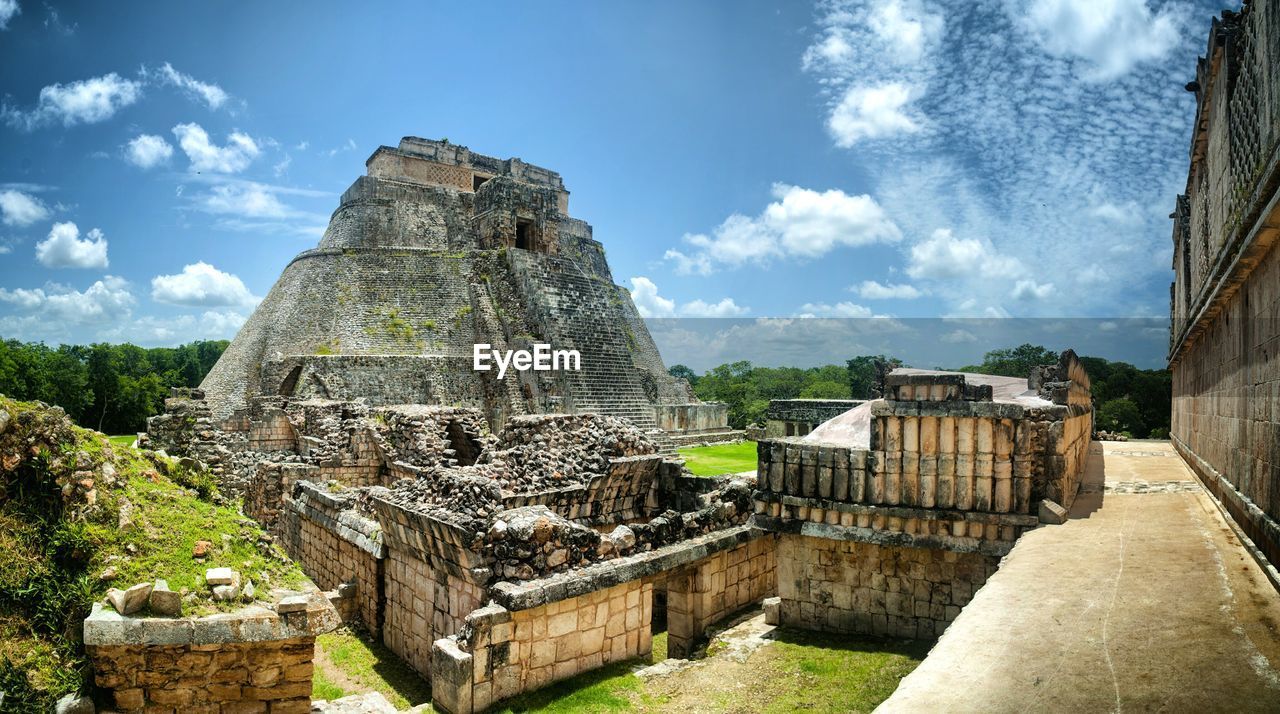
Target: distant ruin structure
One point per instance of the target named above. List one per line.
(438, 249)
(1225, 298)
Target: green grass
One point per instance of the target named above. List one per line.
(828, 673)
(123, 440)
(348, 662)
(720, 459)
(608, 689)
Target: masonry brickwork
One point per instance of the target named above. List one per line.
(1225, 297)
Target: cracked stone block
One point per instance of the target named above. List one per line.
(219, 576)
(127, 602)
(164, 601)
(1052, 513)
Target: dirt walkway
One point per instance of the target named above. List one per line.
(1144, 601)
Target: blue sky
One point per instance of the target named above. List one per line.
(160, 164)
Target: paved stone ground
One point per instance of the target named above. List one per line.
(1143, 601)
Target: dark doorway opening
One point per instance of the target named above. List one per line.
(524, 235)
(290, 382)
(477, 181)
(466, 448)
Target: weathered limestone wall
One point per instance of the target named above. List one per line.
(336, 547)
(705, 593)
(504, 653)
(797, 417)
(864, 588)
(423, 604)
(272, 432)
(1226, 418)
(1225, 298)
(253, 660)
(692, 418)
(268, 490)
(625, 493)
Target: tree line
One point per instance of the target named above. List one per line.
(1126, 399)
(111, 388)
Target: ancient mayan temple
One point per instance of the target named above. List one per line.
(437, 249)
(1225, 299)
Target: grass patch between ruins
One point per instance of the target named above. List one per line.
(125, 440)
(720, 459)
(350, 662)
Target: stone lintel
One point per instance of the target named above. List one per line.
(523, 596)
(928, 514)
(992, 410)
(876, 536)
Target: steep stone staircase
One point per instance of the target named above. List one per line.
(576, 311)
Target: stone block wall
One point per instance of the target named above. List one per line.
(705, 593)
(688, 419)
(268, 489)
(336, 546)
(423, 604)
(626, 492)
(797, 417)
(213, 678)
(272, 432)
(251, 660)
(503, 653)
(1225, 301)
(864, 588)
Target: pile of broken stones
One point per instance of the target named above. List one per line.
(223, 584)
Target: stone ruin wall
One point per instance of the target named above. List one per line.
(797, 417)
(1225, 299)
(895, 538)
(251, 660)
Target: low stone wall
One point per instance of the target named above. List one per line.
(337, 547)
(266, 492)
(504, 653)
(797, 417)
(272, 431)
(423, 604)
(253, 660)
(537, 632)
(708, 591)
(691, 419)
(626, 492)
(863, 588)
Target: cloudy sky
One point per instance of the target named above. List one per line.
(963, 161)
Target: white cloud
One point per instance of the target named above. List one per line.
(212, 95)
(942, 256)
(87, 101)
(906, 28)
(1028, 289)
(872, 290)
(106, 300)
(1113, 36)
(63, 248)
(282, 166)
(8, 10)
(725, 308)
(840, 309)
(248, 200)
(958, 337)
(202, 285)
(238, 153)
(644, 293)
(148, 150)
(21, 209)
(799, 223)
(872, 113)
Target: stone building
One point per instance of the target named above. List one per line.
(435, 250)
(1225, 299)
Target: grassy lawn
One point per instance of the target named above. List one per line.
(828, 673)
(720, 458)
(123, 439)
(348, 662)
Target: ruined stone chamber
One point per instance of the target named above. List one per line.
(892, 515)
(1225, 299)
(435, 250)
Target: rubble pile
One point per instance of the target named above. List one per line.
(550, 451)
(425, 435)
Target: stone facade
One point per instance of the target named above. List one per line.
(705, 593)
(893, 538)
(869, 589)
(1225, 298)
(252, 660)
(797, 417)
(435, 250)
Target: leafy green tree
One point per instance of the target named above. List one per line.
(683, 372)
(826, 389)
(861, 373)
(1120, 415)
(1013, 361)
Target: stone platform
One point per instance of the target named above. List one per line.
(1144, 600)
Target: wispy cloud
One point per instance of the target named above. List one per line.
(87, 101)
(644, 293)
